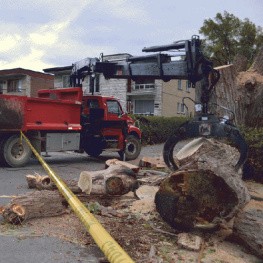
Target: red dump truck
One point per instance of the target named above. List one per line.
(65, 120)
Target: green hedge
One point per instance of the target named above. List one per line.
(253, 136)
(254, 165)
(156, 129)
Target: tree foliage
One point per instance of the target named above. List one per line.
(226, 36)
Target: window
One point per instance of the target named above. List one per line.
(97, 82)
(180, 84)
(180, 108)
(144, 107)
(144, 84)
(14, 85)
(94, 83)
(114, 107)
(188, 86)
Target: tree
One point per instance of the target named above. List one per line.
(226, 36)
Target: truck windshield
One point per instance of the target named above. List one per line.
(114, 107)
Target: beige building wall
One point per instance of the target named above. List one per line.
(173, 93)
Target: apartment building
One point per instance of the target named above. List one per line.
(146, 97)
(19, 81)
(177, 98)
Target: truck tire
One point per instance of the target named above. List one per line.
(133, 147)
(15, 153)
(94, 152)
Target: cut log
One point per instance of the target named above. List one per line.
(111, 162)
(34, 204)
(207, 191)
(248, 227)
(115, 180)
(45, 183)
(151, 162)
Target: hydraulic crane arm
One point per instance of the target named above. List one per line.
(193, 67)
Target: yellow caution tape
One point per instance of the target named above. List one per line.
(111, 249)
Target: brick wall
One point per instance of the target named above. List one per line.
(40, 83)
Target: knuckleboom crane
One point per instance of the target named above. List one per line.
(193, 67)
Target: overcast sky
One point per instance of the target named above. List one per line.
(42, 34)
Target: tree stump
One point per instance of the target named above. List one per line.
(241, 92)
(115, 180)
(206, 191)
(34, 204)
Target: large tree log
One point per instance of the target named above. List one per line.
(34, 204)
(248, 227)
(115, 180)
(207, 189)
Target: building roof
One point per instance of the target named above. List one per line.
(19, 72)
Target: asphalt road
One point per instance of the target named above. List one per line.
(31, 249)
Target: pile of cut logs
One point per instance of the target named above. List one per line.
(205, 193)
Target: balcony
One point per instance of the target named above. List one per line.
(143, 89)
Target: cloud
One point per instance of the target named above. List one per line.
(8, 42)
(33, 45)
(123, 9)
(48, 34)
(39, 34)
(35, 57)
(128, 10)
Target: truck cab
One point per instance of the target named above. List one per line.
(107, 126)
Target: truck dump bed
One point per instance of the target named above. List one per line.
(52, 110)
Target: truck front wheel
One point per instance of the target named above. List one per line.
(16, 153)
(133, 147)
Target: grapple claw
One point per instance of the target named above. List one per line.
(208, 126)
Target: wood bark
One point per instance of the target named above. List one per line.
(45, 183)
(241, 92)
(115, 180)
(34, 204)
(206, 191)
(248, 227)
